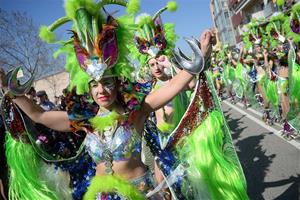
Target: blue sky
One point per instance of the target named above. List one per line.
(191, 17)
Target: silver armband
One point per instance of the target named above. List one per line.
(193, 65)
(14, 86)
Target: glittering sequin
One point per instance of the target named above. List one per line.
(81, 170)
(123, 144)
(144, 184)
(12, 119)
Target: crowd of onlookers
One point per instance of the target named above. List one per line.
(41, 98)
(264, 69)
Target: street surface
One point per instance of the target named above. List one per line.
(270, 163)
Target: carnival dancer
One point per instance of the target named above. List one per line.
(229, 76)
(272, 65)
(261, 65)
(111, 110)
(240, 84)
(291, 126)
(206, 99)
(155, 42)
(217, 71)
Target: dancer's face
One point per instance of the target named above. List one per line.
(157, 70)
(104, 92)
(280, 48)
(257, 48)
(277, 62)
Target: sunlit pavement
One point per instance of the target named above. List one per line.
(270, 163)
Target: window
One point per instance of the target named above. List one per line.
(226, 15)
(224, 4)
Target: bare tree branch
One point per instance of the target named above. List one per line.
(12, 55)
(2, 62)
(20, 45)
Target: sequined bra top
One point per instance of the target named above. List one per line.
(111, 145)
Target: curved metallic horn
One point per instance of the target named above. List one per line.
(176, 64)
(194, 65)
(14, 86)
(183, 55)
(198, 42)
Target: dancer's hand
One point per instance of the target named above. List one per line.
(163, 61)
(265, 53)
(229, 55)
(206, 43)
(213, 38)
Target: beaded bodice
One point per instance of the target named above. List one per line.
(122, 144)
(115, 143)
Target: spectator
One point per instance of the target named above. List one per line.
(62, 106)
(31, 94)
(44, 101)
(56, 100)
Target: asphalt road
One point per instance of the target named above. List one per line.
(270, 163)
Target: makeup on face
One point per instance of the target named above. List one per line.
(104, 92)
(107, 84)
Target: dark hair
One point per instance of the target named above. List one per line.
(30, 91)
(41, 93)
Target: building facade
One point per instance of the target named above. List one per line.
(53, 84)
(222, 22)
(231, 16)
(243, 11)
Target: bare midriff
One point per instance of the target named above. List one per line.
(127, 169)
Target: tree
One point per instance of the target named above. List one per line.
(20, 45)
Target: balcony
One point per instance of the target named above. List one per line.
(265, 13)
(232, 3)
(240, 4)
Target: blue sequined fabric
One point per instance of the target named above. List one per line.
(81, 170)
(166, 156)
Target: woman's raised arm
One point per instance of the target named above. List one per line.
(57, 120)
(167, 92)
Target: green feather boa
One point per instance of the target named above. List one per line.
(221, 176)
(25, 172)
(112, 184)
